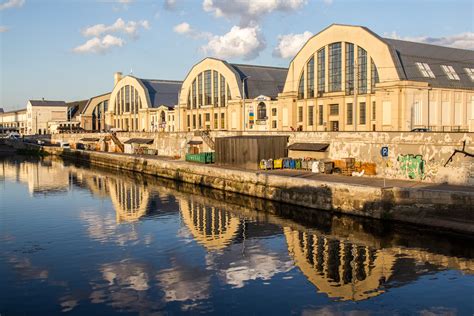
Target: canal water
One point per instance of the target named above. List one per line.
(82, 240)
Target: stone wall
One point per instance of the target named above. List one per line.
(412, 156)
(453, 210)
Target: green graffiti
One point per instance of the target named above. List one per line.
(413, 166)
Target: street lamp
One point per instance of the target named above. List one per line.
(243, 99)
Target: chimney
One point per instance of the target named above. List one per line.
(117, 77)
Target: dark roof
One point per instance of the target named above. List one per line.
(139, 141)
(406, 54)
(47, 103)
(263, 80)
(76, 107)
(162, 92)
(194, 142)
(308, 147)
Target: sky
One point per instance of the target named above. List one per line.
(70, 49)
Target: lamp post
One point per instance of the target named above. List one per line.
(243, 100)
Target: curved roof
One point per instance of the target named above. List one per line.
(408, 53)
(162, 92)
(262, 80)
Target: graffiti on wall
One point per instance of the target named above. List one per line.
(413, 166)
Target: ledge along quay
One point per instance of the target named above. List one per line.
(339, 181)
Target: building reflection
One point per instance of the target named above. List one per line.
(340, 269)
(211, 227)
(43, 177)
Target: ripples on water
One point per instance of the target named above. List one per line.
(92, 241)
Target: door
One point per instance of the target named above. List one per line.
(334, 126)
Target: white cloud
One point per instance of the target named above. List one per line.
(328, 2)
(3, 29)
(8, 4)
(250, 11)
(125, 1)
(186, 29)
(183, 28)
(462, 40)
(243, 42)
(120, 26)
(98, 45)
(289, 44)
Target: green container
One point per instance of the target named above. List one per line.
(201, 157)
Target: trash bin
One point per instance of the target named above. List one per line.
(278, 164)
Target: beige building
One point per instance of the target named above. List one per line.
(92, 117)
(13, 121)
(395, 85)
(217, 95)
(41, 113)
(142, 104)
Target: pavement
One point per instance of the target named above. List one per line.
(368, 181)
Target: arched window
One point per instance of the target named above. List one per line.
(208, 88)
(301, 87)
(163, 117)
(261, 111)
(310, 72)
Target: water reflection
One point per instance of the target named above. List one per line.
(174, 247)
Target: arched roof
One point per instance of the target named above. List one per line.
(262, 80)
(382, 53)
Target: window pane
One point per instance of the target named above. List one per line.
(207, 87)
(349, 114)
(349, 68)
(321, 69)
(362, 113)
(362, 67)
(301, 87)
(335, 67)
(310, 75)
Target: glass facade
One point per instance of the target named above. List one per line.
(310, 76)
(374, 78)
(301, 87)
(334, 67)
(349, 68)
(199, 88)
(215, 80)
(127, 101)
(362, 70)
(222, 90)
(321, 70)
(207, 88)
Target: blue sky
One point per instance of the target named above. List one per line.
(69, 49)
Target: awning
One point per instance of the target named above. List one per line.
(139, 141)
(195, 142)
(90, 139)
(308, 147)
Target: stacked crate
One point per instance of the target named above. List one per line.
(348, 166)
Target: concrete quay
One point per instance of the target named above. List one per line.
(446, 207)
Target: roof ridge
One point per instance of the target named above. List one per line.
(261, 66)
(162, 80)
(429, 44)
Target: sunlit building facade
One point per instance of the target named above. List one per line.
(347, 78)
(217, 95)
(142, 105)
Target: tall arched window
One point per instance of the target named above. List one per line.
(310, 75)
(261, 111)
(208, 88)
(163, 117)
(301, 87)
